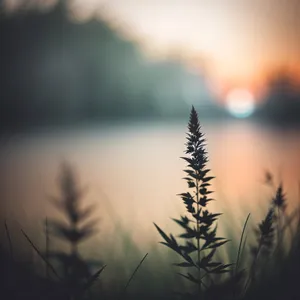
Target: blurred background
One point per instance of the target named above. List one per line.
(108, 86)
(71, 61)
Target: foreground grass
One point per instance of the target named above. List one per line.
(267, 267)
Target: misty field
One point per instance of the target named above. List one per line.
(81, 247)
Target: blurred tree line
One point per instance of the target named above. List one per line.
(281, 103)
(55, 71)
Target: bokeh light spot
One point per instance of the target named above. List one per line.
(240, 103)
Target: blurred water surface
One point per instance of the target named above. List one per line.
(134, 171)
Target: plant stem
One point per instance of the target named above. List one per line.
(239, 252)
(41, 255)
(47, 248)
(9, 241)
(252, 270)
(278, 228)
(240, 245)
(198, 230)
(134, 272)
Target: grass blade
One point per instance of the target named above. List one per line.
(244, 246)
(40, 254)
(241, 243)
(47, 247)
(93, 278)
(240, 250)
(9, 241)
(134, 272)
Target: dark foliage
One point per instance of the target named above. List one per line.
(200, 231)
(77, 274)
(273, 272)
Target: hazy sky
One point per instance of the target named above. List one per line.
(240, 40)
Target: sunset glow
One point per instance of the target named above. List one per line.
(240, 103)
(239, 42)
(131, 125)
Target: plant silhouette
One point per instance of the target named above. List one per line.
(77, 275)
(200, 228)
(265, 240)
(273, 271)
